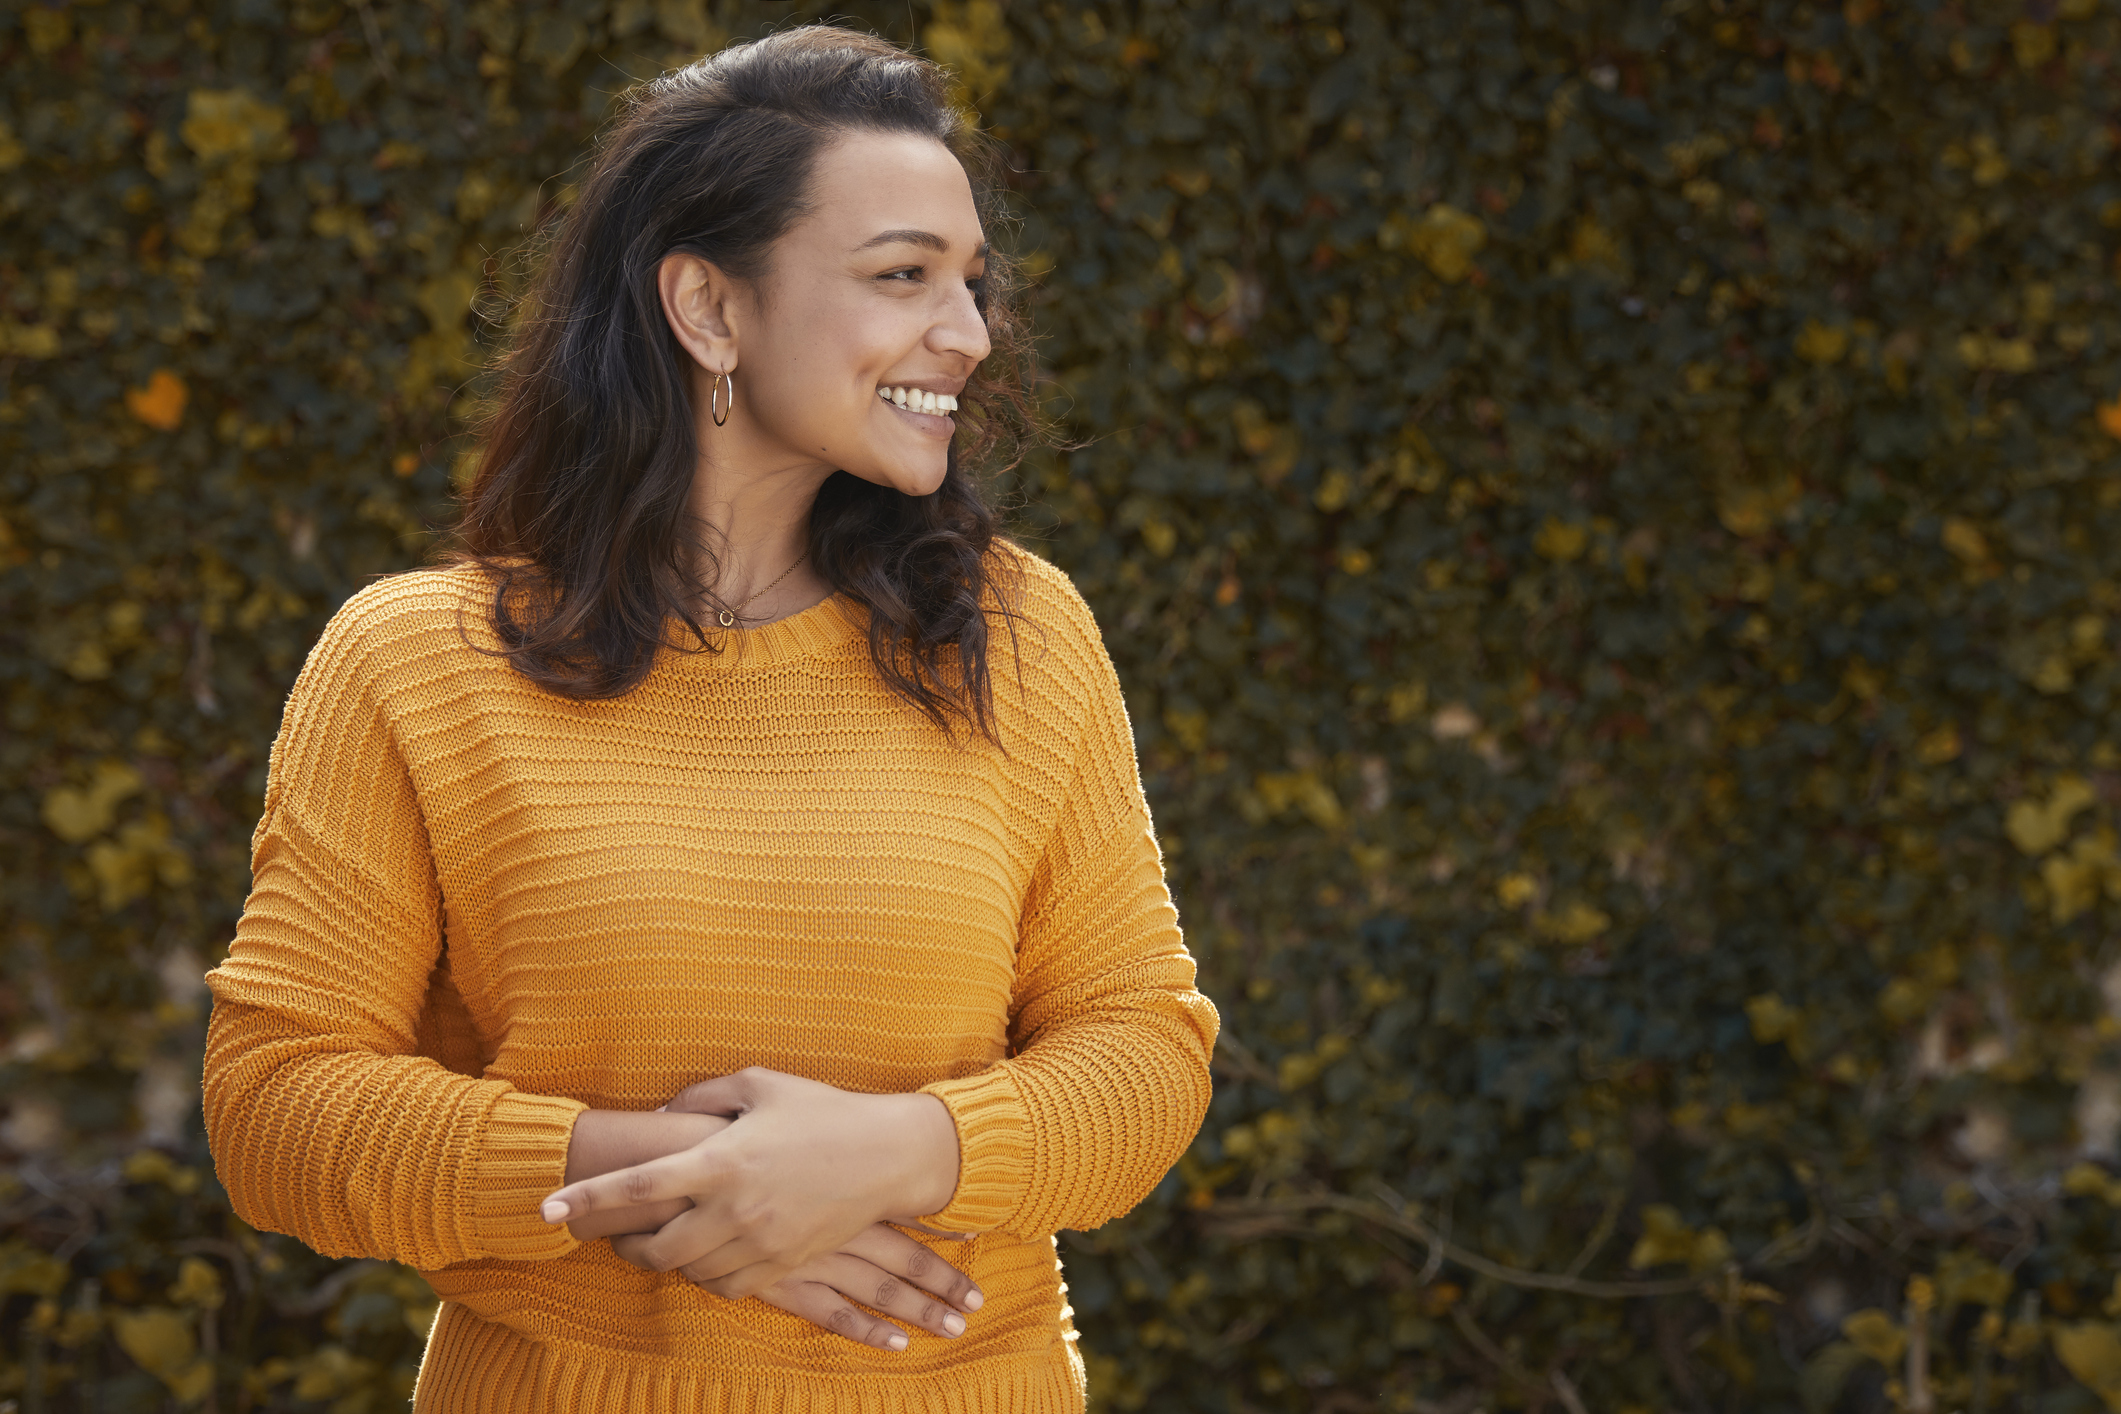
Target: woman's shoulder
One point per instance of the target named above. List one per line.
(1042, 595)
(1048, 632)
(419, 622)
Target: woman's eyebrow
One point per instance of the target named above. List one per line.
(921, 238)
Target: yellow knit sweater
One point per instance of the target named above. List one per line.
(478, 908)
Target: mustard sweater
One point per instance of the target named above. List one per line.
(478, 908)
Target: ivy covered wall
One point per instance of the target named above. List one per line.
(1607, 514)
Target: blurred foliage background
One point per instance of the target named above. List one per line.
(1607, 516)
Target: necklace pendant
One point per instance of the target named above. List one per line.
(725, 619)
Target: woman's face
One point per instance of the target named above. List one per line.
(869, 293)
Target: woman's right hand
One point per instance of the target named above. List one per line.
(884, 1269)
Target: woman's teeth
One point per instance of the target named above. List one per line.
(918, 399)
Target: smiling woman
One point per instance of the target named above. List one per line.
(663, 931)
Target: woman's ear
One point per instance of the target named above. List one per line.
(699, 301)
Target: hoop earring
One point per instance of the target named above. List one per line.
(718, 404)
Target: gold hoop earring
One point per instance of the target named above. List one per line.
(717, 404)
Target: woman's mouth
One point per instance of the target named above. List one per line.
(919, 400)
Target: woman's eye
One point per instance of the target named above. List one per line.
(911, 272)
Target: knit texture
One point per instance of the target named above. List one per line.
(478, 908)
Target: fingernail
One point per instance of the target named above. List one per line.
(953, 1324)
(897, 1341)
(973, 1300)
(554, 1211)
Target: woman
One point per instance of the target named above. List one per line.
(739, 847)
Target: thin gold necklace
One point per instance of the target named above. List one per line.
(728, 616)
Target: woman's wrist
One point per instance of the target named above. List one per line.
(931, 1153)
(608, 1140)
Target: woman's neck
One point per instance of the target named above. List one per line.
(752, 527)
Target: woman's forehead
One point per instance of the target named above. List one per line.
(870, 190)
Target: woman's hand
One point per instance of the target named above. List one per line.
(605, 1140)
(882, 1268)
(802, 1169)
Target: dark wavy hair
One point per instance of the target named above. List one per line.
(579, 509)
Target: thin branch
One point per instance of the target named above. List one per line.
(1411, 1226)
(1244, 1064)
(1600, 1235)
(1494, 1354)
(326, 1293)
(374, 32)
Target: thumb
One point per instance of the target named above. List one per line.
(726, 1095)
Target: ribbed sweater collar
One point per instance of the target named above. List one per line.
(826, 625)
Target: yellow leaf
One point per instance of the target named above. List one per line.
(222, 124)
(1666, 1239)
(2037, 826)
(1560, 541)
(75, 814)
(28, 340)
(29, 1271)
(1446, 239)
(2088, 1180)
(1876, 1334)
(2091, 1351)
(128, 866)
(1821, 343)
(1773, 1018)
(197, 1284)
(1902, 1000)
(1406, 701)
(159, 1340)
(160, 403)
(446, 299)
(1279, 790)
(192, 1384)
(2033, 44)
(970, 39)
(1967, 1278)
(2075, 880)
(1333, 491)
(1579, 922)
(1749, 511)
(1515, 890)
(1964, 540)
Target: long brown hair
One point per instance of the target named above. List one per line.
(579, 508)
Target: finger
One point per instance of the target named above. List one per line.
(822, 1306)
(617, 1222)
(729, 1095)
(685, 1175)
(882, 1291)
(677, 1244)
(738, 1267)
(903, 1257)
(918, 1226)
(751, 1280)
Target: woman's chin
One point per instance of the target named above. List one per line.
(906, 480)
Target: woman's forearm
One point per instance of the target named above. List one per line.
(605, 1140)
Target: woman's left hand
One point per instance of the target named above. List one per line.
(803, 1168)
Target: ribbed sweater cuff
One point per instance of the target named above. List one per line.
(524, 1157)
(994, 1150)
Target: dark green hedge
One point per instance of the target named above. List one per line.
(1608, 517)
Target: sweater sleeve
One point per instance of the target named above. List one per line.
(325, 1121)
(1108, 1080)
